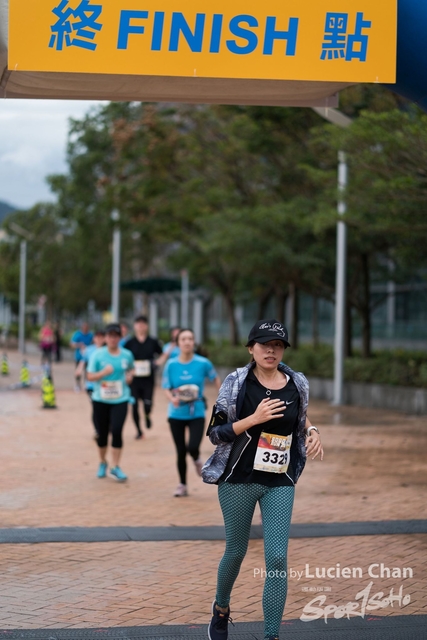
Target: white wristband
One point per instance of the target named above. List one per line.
(312, 429)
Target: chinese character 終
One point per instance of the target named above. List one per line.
(75, 27)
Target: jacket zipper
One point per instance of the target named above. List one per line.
(241, 453)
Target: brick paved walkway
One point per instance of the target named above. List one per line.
(374, 469)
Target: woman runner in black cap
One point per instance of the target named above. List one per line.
(263, 436)
(110, 368)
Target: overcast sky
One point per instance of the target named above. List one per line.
(33, 136)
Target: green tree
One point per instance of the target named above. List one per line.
(386, 199)
(50, 259)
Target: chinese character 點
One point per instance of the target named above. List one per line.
(338, 43)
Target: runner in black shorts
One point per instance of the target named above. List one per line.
(110, 368)
(147, 352)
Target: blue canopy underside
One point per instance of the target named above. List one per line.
(412, 52)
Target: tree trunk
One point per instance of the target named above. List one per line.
(315, 322)
(366, 308)
(293, 294)
(348, 342)
(234, 329)
(262, 303)
(280, 298)
(206, 306)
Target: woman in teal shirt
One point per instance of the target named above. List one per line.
(111, 370)
(183, 380)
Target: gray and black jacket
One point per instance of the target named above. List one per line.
(227, 410)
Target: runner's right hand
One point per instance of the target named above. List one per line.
(107, 370)
(269, 409)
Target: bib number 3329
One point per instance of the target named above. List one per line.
(273, 453)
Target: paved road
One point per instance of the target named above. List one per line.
(374, 470)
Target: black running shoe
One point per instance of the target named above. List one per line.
(218, 627)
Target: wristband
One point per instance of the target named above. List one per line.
(312, 429)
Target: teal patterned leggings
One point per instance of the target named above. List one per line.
(238, 503)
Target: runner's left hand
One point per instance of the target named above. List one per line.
(313, 445)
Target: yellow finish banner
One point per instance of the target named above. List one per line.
(326, 40)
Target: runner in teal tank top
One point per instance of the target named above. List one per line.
(110, 369)
(183, 380)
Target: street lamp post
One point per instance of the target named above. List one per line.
(185, 286)
(115, 289)
(341, 120)
(22, 295)
(25, 235)
(340, 286)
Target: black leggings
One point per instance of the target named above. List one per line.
(109, 418)
(196, 427)
(89, 393)
(47, 354)
(142, 389)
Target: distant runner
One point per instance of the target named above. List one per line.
(47, 341)
(171, 348)
(98, 342)
(111, 369)
(81, 338)
(58, 342)
(125, 333)
(184, 380)
(147, 354)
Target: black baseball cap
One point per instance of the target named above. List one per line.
(113, 327)
(265, 330)
(141, 319)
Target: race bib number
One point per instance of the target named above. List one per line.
(273, 453)
(187, 392)
(142, 368)
(111, 389)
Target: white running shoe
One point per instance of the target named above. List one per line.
(181, 491)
